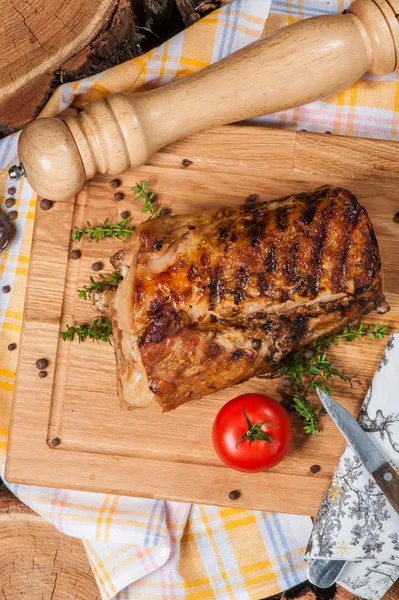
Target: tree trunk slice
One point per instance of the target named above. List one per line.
(44, 43)
(36, 38)
(37, 562)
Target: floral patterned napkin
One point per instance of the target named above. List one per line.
(355, 521)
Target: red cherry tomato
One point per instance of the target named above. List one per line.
(242, 439)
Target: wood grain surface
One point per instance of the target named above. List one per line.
(142, 452)
(37, 561)
(124, 129)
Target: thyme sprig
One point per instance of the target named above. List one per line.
(99, 330)
(140, 189)
(104, 230)
(106, 282)
(309, 368)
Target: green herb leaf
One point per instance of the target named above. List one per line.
(104, 230)
(106, 282)
(309, 368)
(149, 205)
(100, 330)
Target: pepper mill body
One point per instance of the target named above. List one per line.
(306, 61)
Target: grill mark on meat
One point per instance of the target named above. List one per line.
(352, 214)
(242, 278)
(271, 260)
(254, 225)
(312, 280)
(290, 267)
(216, 287)
(264, 286)
(308, 213)
(281, 217)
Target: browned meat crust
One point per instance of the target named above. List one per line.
(213, 299)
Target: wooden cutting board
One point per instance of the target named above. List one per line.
(102, 447)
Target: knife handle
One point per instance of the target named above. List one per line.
(388, 481)
(324, 573)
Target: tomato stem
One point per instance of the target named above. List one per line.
(255, 432)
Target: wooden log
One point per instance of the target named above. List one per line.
(37, 562)
(35, 39)
(45, 44)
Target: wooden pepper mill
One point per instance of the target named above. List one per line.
(298, 64)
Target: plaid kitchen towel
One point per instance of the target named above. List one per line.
(141, 548)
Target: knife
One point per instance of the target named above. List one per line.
(323, 573)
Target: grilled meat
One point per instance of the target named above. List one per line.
(212, 299)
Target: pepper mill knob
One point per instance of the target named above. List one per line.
(306, 61)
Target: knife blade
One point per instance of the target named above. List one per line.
(368, 453)
(323, 573)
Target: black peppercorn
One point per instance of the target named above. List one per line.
(12, 215)
(234, 495)
(115, 183)
(76, 254)
(11, 347)
(42, 374)
(41, 363)
(252, 198)
(45, 204)
(55, 442)
(10, 202)
(97, 266)
(186, 163)
(119, 196)
(6, 289)
(314, 469)
(11, 191)
(125, 214)
(396, 217)
(164, 212)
